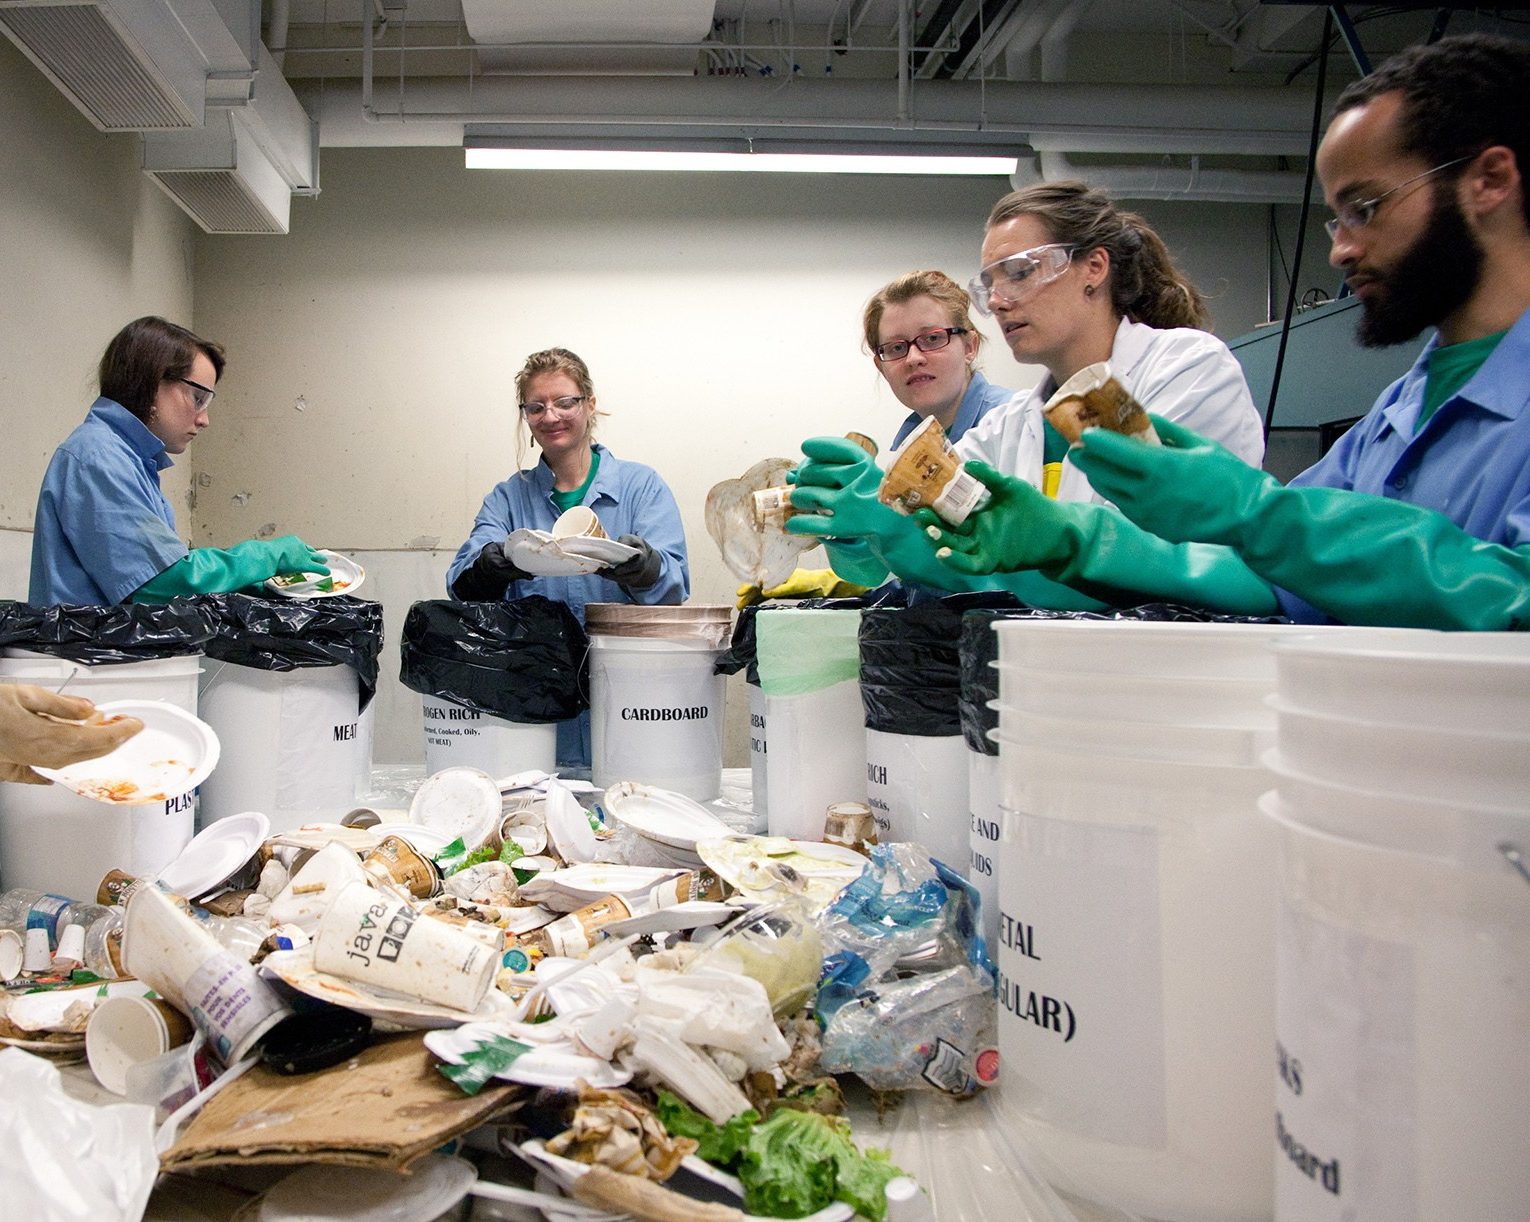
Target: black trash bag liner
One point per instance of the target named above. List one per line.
(523, 661)
(980, 648)
(282, 634)
(911, 664)
(742, 653)
(128, 632)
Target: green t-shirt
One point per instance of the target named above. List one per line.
(567, 500)
(1450, 368)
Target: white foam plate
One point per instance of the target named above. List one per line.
(692, 914)
(584, 884)
(214, 853)
(459, 802)
(434, 1185)
(171, 756)
(538, 553)
(295, 968)
(662, 815)
(343, 572)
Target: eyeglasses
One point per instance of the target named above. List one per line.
(1357, 214)
(565, 403)
(201, 395)
(1018, 276)
(930, 341)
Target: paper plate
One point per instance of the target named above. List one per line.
(538, 553)
(692, 914)
(434, 1185)
(573, 887)
(214, 853)
(662, 815)
(606, 551)
(458, 802)
(345, 577)
(761, 866)
(427, 840)
(171, 756)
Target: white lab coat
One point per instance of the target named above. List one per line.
(1184, 375)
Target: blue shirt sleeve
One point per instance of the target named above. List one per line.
(492, 525)
(656, 519)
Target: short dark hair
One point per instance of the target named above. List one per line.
(1460, 95)
(145, 353)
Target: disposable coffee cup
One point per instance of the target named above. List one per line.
(37, 957)
(225, 996)
(71, 948)
(852, 825)
(1092, 398)
(399, 863)
(926, 471)
(12, 954)
(574, 934)
(173, 1078)
(312, 889)
(772, 506)
(126, 1031)
(367, 937)
(578, 522)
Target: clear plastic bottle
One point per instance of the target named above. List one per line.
(103, 946)
(240, 935)
(22, 908)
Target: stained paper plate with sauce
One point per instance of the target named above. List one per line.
(345, 577)
(538, 553)
(173, 754)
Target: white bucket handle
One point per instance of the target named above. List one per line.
(1515, 858)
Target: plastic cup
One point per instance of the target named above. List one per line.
(126, 1031)
(367, 937)
(37, 956)
(579, 522)
(12, 954)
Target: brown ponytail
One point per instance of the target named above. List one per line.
(1145, 285)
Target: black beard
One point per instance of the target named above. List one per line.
(1434, 278)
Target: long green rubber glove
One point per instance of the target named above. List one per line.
(1362, 559)
(1093, 550)
(211, 570)
(840, 482)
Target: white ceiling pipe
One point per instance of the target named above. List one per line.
(1185, 140)
(276, 39)
(1054, 43)
(1168, 182)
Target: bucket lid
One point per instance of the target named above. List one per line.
(712, 622)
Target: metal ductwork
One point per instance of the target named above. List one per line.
(549, 28)
(138, 65)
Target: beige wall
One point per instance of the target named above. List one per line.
(87, 243)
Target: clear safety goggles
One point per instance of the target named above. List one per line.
(1018, 276)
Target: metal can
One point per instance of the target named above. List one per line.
(850, 824)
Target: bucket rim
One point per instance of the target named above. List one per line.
(1300, 712)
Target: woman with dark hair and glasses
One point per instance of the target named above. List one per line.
(1071, 280)
(105, 533)
(633, 504)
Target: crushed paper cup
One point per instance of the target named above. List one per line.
(578, 521)
(927, 472)
(388, 943)
(1092, 398)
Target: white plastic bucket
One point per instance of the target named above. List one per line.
(1228, 703)
(759, 754)
(290, 743)
(656, 714)
(1403, 1003)
(985, 835)
(458, 737)
(1175, 651)
(917, 790)
(817, 758)
(55, 840)
(1135, 949)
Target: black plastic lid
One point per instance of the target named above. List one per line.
(315, 1040)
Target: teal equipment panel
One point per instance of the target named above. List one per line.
(1327, 375)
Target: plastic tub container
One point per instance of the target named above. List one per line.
(1144, 647)
(1230, 703)
(290, 742)
(55, 840)
(460, 737)
(1167, 743)
(656, 705)
(1403, 1001)
(1136, 987)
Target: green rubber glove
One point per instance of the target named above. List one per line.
(1361, 559)
(1093, 550)
(210, 570)
(839, 481)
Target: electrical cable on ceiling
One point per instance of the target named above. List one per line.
(1301, 229)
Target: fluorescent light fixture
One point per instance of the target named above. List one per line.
(758, 163)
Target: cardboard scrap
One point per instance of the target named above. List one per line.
(385, 1108)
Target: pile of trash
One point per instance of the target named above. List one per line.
(607, 996)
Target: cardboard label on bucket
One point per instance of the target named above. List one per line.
(1080, 977)
(1345, 1125)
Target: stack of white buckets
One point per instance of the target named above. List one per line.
(1402, 801)
(1137, 899)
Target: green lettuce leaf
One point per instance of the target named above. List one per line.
(719, 1145)
(797, 1163)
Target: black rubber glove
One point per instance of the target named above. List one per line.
(488, 577)
(641, 571)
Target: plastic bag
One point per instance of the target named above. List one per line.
(801, 655)
(282, 634)
(68, 1160)
(524, 661)
(129, 632)
(906, 998)
(911, 664)
(742, 653)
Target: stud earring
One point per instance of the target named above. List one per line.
(1088, 290)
